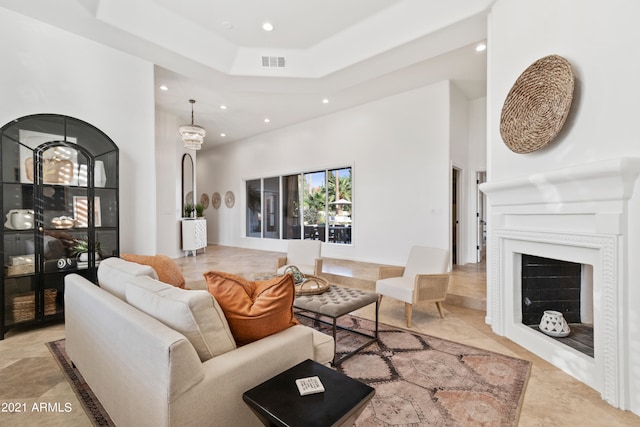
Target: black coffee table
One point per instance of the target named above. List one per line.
(277, 401)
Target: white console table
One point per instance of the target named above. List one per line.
(194, 235)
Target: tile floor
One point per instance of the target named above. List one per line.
(30, 377)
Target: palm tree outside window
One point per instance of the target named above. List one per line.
(314, 205)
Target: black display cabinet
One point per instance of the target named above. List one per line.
(59, 203)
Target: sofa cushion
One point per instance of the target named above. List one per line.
(114, 274)
(168, 271)
(254, 309)
(195, 314)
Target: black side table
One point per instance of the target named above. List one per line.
(277, 401)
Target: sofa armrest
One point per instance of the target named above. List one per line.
(125, 355)
(387, 272)
(227, 376)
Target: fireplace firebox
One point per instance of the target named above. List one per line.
(563, 286)
(550, 284)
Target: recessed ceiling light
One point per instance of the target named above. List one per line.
(164, 88)
(267, 26)
(267, 120)
(226, 25)
(223, 135)
(481, 47)
(223, 107)
(325, 101)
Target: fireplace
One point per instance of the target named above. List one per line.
(577, 217)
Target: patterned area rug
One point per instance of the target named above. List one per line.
(419, 380)
(425, 381)
(88, 400)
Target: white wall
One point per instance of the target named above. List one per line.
(468, 154)
(478, 134)
(47, 70)
(399, 150)
(600, 40)
(458, 137)
(169, 152)
(477, 146)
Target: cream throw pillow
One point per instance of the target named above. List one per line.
(114, 273)
(195, 314)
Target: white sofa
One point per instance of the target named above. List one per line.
(147, 373)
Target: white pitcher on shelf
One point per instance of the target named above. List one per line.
(20, 219)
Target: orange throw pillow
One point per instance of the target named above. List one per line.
(254, 309)
(166, 268)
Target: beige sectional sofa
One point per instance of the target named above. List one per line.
(162, 356)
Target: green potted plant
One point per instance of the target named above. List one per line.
(80, 249)
(199, 210)
(188, 210)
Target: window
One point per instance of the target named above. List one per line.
(271, 208)
(254, 213)
(312, 205)
(315, 205)
(339, 207)
(292, 225)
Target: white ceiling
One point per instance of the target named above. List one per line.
(348, 51)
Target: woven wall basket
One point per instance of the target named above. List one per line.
(537, 105)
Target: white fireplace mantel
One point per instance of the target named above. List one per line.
(603, 181)
(578, 214)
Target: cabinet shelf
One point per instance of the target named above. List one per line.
(18, 275)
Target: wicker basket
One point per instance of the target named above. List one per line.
(20, 269)
(537, 105)
(24, 305)
(312, 285)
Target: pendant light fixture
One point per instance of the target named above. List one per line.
(192, 135)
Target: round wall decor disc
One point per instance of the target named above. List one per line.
(537, 105)
(216, 200)
(229, 199)
(204, 200)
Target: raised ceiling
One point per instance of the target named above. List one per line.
(346, 51)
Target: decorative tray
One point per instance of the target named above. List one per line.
(312, 285)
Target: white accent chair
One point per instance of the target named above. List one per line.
(425, 278)
(304, 254)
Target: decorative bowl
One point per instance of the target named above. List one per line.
(63, 222)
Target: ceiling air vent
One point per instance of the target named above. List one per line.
(273, 61)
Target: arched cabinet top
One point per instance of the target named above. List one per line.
(34, 130)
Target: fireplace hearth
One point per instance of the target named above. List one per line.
(580, 338)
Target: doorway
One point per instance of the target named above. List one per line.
(481, 222)
(455, 179)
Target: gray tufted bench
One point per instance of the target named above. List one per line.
(336, 302)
